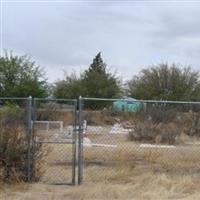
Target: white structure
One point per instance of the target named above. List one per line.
(88, 143)
(84, 126)
(118, 129)
(48, 125)
(157, 146)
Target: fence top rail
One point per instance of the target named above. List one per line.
(54, 99)
(14, 98)
(37, 99)
(144, 101)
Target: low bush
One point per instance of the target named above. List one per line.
(157, 125)
(14, 146)
(158, 114)
(107, 117)
(13, 152)
(193, 128)
(165, 125)
(155, 133)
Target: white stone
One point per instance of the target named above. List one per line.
(118, 129)
(87, 142)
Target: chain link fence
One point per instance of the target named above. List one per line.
(103, 140)
(54, 138)
(120, 135)
(38, 140)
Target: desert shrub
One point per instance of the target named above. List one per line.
(13, 152)
(93, 117)
(99, 118)
(110, 116)
(157, 124)
(123, 116)
(107, 117)
(14, 145)
(47, 111)
(155, 133)
(96, 104)
(167, 133)
(158, 114)
(193, 127)
(39, 153)
(53, 111)
(143, 132)
(165, 124)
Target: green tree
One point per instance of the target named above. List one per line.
(70, 88)
(164, 82)
(94, 82)
(98, 82)
(20, 77)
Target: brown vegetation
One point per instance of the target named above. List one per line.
(15, 143)
(165, 126)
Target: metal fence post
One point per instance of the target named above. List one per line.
(29, 132)
(33, 144)
(80, 143)
(74, 143)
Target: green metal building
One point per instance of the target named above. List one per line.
(127, 105)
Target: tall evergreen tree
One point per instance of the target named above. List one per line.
(98, 82)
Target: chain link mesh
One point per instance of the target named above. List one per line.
(121, 135)
(53, 126)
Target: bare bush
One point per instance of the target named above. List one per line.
(13, 153)
(165, 125)
(39, 153)
(194, 126)
(157, 125)
(14, 143)
(45, 110)
(155, 133)
(158, 114)
(107, 117)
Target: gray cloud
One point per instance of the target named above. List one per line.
(130, 35)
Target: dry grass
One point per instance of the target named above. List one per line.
(55, 166)
(125, 172)
(147, 185)
(109, 163)
(181, 159)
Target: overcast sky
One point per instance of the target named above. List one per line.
(131, 35)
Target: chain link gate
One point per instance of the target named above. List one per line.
(54, 140)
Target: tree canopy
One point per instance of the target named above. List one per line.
(166, 82)
(96, 81)
(99, 82)
(20, 77)
(70, 88)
